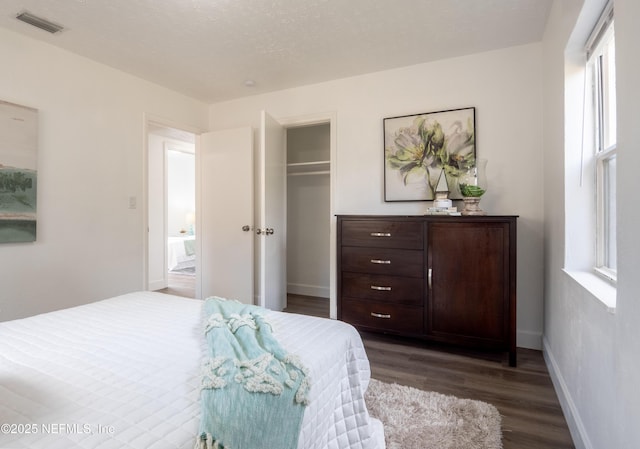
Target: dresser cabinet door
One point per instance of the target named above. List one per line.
(468, 281)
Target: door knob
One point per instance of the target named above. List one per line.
(246, 228)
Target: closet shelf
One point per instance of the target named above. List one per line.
(308, 168)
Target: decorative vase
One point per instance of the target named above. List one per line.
(473, 184)
(441, 192)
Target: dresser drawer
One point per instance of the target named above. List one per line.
(400, 262)
(383, 316)
(392, 289)
(382, 234)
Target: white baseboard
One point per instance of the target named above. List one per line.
(308, 290)
(571, 414)
(529, 339)
(157, 285)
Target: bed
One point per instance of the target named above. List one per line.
(181, 252)
(125, 373)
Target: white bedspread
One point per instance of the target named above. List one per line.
(125, 373)
(177, 257)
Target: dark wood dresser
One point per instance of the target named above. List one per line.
(442, 278)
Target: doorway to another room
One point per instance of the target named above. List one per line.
(171, 211)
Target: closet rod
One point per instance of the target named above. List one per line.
(322, 172)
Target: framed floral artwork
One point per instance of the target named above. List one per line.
(425, 153)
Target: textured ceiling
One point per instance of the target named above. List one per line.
(208, 48)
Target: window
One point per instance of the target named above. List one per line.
(601, 70)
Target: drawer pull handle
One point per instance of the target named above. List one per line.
(381, 262)
(380, 315)
(382, 289)
(380, 234)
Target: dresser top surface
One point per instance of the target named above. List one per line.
(427, 216)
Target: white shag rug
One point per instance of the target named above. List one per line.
(417, 419)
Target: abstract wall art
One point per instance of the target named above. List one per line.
(18, 172)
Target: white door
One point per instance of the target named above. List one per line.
(225, 215)
(273, 189)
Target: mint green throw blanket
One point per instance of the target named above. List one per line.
(189, 247)
(253, 393)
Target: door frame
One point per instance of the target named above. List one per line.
(148, 121)
(331, 119)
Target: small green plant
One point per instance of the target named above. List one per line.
(470, 190)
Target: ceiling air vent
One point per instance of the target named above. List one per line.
(39, 22)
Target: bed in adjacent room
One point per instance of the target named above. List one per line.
(181, 252)
(126, 373)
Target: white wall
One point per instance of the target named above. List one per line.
(627, 332)
(506, 88)
(90, 162)
(592, 353)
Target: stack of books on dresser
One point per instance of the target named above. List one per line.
(443, 211)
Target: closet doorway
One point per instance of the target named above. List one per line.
(171, 210)
(309, 214)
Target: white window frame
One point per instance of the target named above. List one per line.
(603, 209)
(604, 127)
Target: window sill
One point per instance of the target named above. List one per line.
(604, 292)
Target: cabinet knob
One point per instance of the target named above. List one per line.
(379, 288)
(380, 234)
(380, 261)
(380, 315)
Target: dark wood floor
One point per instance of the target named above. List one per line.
(181, 285)
(525, 397)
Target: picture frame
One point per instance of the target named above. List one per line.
(18, 172)
(425, 153)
